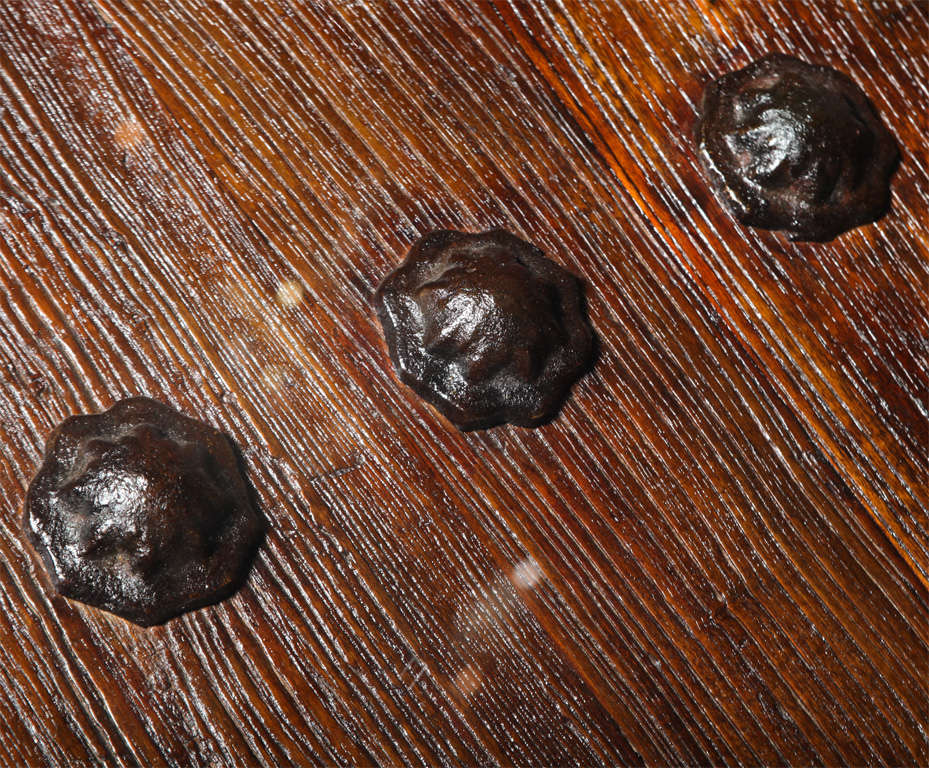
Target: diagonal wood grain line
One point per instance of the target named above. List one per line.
(76, 671)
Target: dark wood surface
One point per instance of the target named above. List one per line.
(716, 554)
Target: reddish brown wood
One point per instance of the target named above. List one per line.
(716, 554)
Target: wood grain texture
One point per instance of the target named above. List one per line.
(716, 554)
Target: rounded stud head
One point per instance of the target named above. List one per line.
(796, 147)
(142, 511)
(485, 328)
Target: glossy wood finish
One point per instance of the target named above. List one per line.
(716, 554)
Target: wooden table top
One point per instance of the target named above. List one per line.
(716, 554)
